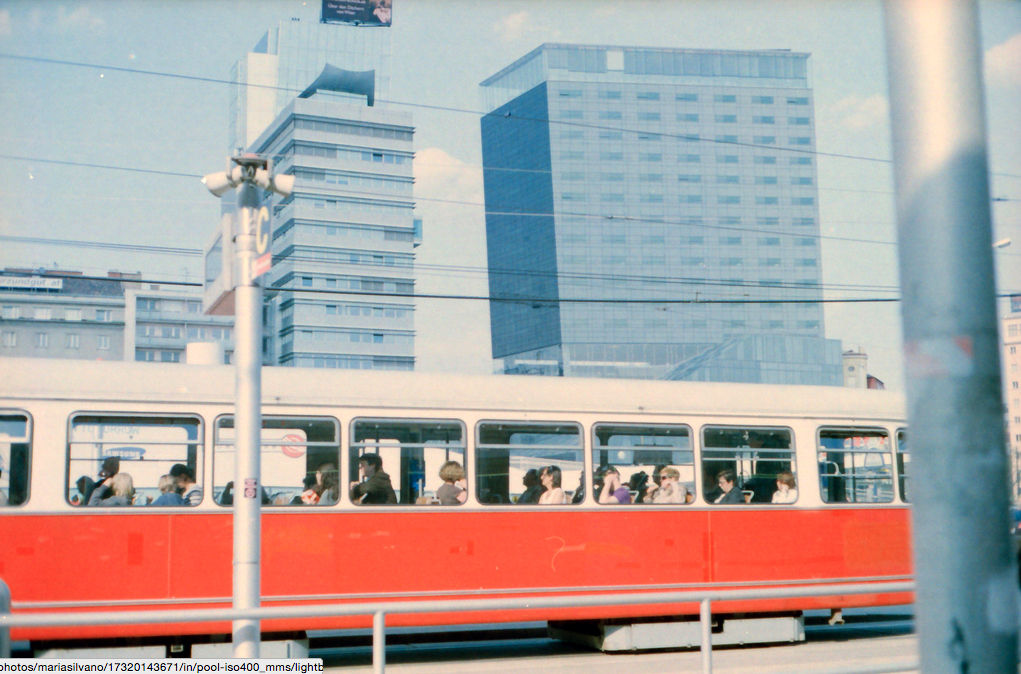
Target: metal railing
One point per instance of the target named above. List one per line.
(379, 610)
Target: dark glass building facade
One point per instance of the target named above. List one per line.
(647, 208)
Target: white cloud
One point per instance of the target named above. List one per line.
(81, 19)
(5, 23)
(438, 175)
(858, 113)
(521, 26)
(1003, 63)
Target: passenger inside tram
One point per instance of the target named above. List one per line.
(551, 478)
(670, 488)
(168, 493)
(611, 491)
(786, 488)
(327, 484)
(118, 490)
(454, 490)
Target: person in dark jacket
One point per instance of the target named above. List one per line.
(375, 487)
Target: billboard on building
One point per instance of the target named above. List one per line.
(358, 12)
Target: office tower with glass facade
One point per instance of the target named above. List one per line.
(646, 207)
(340, 293)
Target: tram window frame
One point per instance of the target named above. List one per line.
(757, 487)
(145, 489)
(903, 462)
(16, 460)
(537, 454)
(315, 452)
(403, 478)
(857, 475)
(629, 458)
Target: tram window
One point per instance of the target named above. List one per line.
(139, 449)
(15, 450)
(903, 463)
(507, 453)
(855, 466)
(640, 455)
(300, 458)
(754, 456)
(413, 453)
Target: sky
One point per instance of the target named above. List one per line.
(111, 110)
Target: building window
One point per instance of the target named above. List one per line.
(73, 314)
(688, 98)
(800, 140)
(800, 100)
(762, 100)
(765, 160)
(798, 121)
(764, 140)
(73, 341)
(688, 117)
(142, 304)
(648, 95)
(725, 98)
(611, 114)
(43, 313)
(10, 312)
(103, 342)
(104, 315)
(763, 119)
(10, 339)
(42, 340)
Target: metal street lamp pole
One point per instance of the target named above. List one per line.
(250, 176)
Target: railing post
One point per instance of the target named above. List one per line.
(5, 609)
(705, 616)
(378, 642)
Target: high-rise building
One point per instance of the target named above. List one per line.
(288, 58)
(312, 97)
(342, 282)
(646, 208)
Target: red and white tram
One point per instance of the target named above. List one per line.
(846, 450)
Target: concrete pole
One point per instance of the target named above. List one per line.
(5, 609)
(247, 426)
(967, 596)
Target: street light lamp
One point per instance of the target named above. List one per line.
(250, 174)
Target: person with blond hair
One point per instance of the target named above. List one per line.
(123, 489)
(168, 493)
(454, 490)
(670, 488)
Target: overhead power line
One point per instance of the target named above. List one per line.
(442, 108)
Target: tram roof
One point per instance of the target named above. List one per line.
(31, 378)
